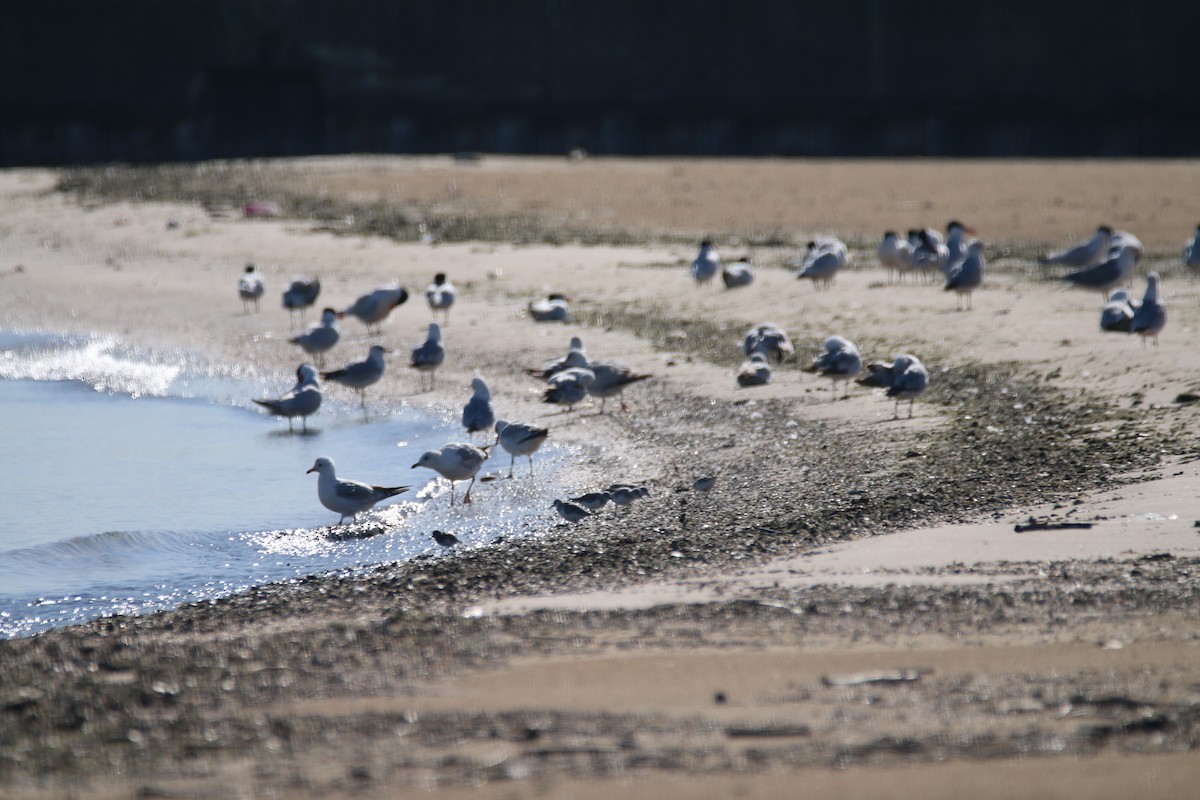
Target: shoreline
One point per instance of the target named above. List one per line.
(798, 473)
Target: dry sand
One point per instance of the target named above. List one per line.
(115, 267)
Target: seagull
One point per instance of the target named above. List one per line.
(909, 381)
(956, 245)
(440, 295)
(754, 371)
(570, 511)
(895, 254)
(372, 309)
(575, 357)
(303, 399)
(593, 501)
(300, 295)
(1117, 314)
(771, 340)
(1109, 273)
(568, 387)
(455, 462)
(1121, 239)
(839, 362)
(1151, 316)
(348, 497)
(825, 258)
(1084, 254)
(553, 309)
(477, 413)
(360, 374)
(968, 275)
(610, 380)
(320, 338)
(250, 288)
(446, 539)
(430, 355)
(929, 251)
(520, 439)
(1191, 253)
(707, 263)
(739, 273)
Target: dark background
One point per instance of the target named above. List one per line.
(84, 81)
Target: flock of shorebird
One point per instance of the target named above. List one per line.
(568, 381)
(1101, 263)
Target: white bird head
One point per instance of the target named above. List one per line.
(322, 466)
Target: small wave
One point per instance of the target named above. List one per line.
(99, 547)
(108, 365)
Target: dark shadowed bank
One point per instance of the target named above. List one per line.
(140, 81)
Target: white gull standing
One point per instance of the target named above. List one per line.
(895, 254)
(1106, 275)
(429, 356)
(300, 295)
(1191, 251)
(520, 439)
(965, 278)
(905, 379)
(456, 461)
(1085, 253)
(1151, 316)
(568, 387)
(825, 257)
(576, 357)
(840, 362)
(610, 380)
(320, 338)
(360, 374)
(478, 414)
(706, 264)
(348, 497)
(302, 401)
(956, 244)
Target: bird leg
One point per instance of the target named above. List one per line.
(511, 462)
(531, 465)
(467, 496)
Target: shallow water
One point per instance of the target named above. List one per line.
(136, 481)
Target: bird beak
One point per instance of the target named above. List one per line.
(310, 469)
(414, 466)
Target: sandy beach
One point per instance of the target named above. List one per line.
(850, 609)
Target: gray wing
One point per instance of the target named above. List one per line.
(355, 490)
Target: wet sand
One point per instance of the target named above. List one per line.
(850, 607)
